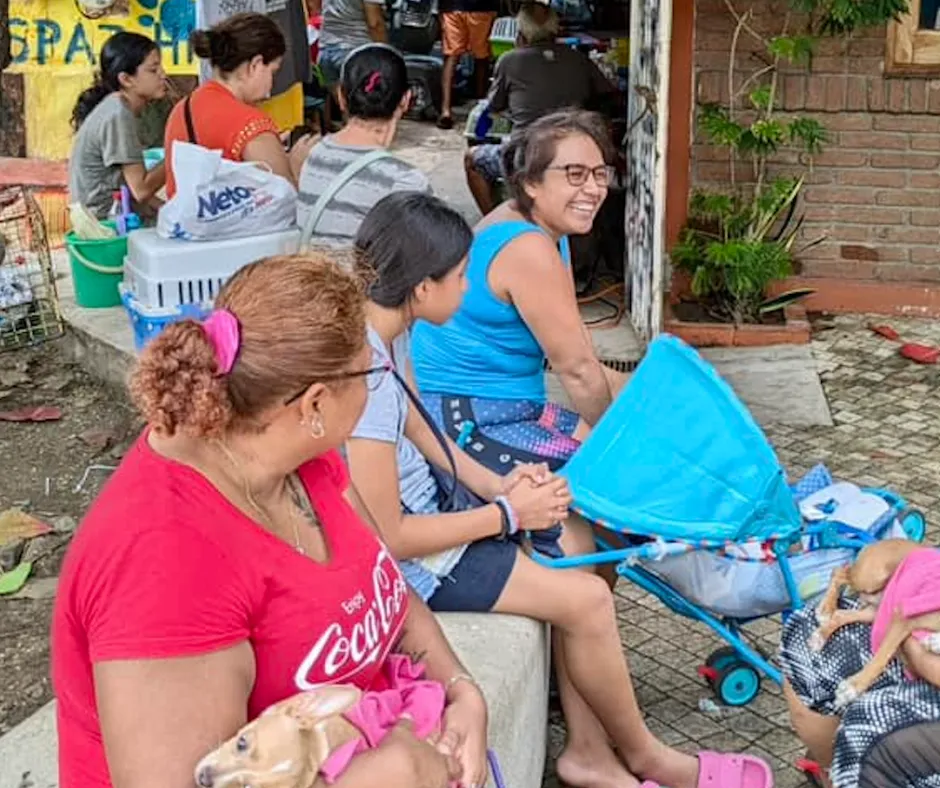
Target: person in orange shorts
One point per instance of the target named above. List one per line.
(465, 27)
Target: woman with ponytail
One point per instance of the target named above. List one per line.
(245, 51)
(374, 94)
(107, 152)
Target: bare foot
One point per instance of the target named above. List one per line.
(665, 766)
(594, 769)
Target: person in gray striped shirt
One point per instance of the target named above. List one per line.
(374, 93)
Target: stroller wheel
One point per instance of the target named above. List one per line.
(737, 684)
(721, 657)
(914, 524)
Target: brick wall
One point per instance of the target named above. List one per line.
(875, 191)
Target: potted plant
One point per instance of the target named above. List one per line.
(741, 239)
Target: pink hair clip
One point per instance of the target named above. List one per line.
(223, 331)
(373, 81)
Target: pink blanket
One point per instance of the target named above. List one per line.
(914, 589)
(407, 694)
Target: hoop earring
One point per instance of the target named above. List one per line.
(316, 428)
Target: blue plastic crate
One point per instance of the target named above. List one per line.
(147, 322)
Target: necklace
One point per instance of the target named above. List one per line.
(302, 504)
(299, 500)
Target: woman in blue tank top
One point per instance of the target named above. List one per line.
(465, 535)
(486, 366)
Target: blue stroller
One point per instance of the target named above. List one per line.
(695, 508)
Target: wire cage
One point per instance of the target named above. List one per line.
(29, 307)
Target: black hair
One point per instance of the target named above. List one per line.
(406, 238)
(239, 39)
(531, 151)
(122, 53)
(374, 80)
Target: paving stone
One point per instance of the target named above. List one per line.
(886, 411)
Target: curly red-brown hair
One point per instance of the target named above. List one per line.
(301, 316)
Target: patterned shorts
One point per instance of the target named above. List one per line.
(892, 705)
(508, 431)
(488, 161)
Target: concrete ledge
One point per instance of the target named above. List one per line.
(101, 340)
(516, 690)
(31, 747)
(516, 687)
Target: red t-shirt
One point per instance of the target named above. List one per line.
(164, 566)
(221, 122)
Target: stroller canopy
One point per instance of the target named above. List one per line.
(678, 456)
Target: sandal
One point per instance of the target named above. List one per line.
(728, 770)
(733, 770)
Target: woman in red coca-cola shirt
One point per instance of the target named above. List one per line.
(224, 567)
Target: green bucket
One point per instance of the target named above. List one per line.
(97, 269)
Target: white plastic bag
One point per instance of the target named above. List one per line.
(216, 198)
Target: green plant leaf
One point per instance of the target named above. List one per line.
(785, 299)
(701, 283)
(795, 49)
(760, 97)
(716, 124)
(808, 133)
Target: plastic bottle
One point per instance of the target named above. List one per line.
(117, 208)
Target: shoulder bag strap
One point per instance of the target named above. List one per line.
(447, 501)
(188, 117)
(342, 178)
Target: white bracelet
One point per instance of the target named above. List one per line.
(503, 502)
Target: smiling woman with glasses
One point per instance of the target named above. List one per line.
(521, 309)
(227, 548)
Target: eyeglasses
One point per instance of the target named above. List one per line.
(577, 174)
(373, 376)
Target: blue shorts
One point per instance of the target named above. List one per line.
(330, 60)
(475, 584)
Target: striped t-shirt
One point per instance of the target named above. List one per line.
(340, 221)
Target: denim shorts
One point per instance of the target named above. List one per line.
(330, 60)
(479, 578)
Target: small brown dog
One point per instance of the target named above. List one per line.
(868, 577)
(286, 746)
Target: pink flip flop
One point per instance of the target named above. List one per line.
(728, 770)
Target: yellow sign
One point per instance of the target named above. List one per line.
(56, 48)
(54, 36)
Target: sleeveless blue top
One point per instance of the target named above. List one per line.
(486, 349)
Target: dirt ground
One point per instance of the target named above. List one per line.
(41, 466)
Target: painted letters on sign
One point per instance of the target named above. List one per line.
(51, 33)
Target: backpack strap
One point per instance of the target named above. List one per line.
(342, 178)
